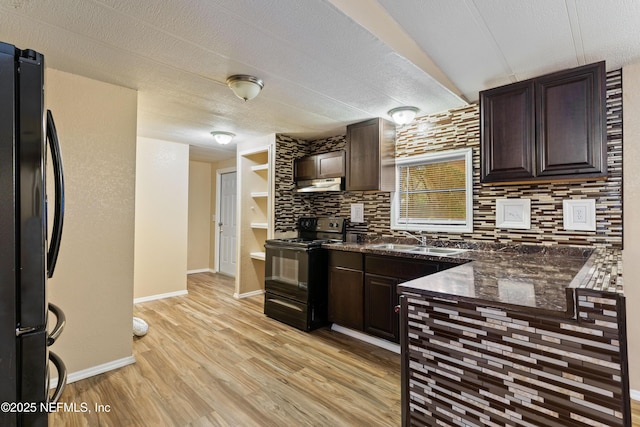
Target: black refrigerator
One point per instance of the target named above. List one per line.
(27, 254)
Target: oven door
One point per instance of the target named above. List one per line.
(287, 271)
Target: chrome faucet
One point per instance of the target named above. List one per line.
(422, 239)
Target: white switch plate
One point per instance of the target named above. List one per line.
(579, 214)
(357, 212)
(513, 213)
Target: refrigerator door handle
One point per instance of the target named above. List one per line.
(56, 233)
(61, 320)
(62, 377)
(22, 331)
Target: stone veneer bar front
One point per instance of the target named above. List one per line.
(480, 349)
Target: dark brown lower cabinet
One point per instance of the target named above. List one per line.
(346, 289)
(382, 275)
(362, 289)
(380, 299)
(345, 297)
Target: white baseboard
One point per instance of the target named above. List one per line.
(367, 338)
(248, 294)
(95, 370)
(201, 270)
(635, 394)
(160, 296)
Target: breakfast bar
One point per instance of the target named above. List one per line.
(535, 340)
(513, 335)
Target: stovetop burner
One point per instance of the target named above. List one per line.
(313, 232)
(297, 242)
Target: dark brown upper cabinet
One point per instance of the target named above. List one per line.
(325, 165)
(371, 156)
(547, 128)
(330, 165)
(304, 168)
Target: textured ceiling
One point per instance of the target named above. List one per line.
(325, 64)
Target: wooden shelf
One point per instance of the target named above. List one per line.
(255, 199)
(257, 255)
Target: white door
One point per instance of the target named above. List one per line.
(227, 224)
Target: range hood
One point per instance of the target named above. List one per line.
(318, 185)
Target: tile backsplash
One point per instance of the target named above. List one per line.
(456, 129)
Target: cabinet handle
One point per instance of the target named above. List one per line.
(396, 309)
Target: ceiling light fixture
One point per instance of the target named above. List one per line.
(222, 138)
(244, 86)
(403, 115)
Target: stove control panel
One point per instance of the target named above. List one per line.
(307, 224)
(332, 224)
(327, 224)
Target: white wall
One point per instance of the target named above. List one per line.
(200, 217)
(161, 203)
(93, 281)
(631, 224)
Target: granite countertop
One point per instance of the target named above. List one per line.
(542, 279)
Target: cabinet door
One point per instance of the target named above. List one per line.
(330, 165)
(507, 133)
(304, 168)
(380, 299)
(571, 111)
(363, 162)
(346, 297)
(371, 156)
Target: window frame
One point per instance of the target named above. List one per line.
(436, 157)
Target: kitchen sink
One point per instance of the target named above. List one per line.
(437, 251)
(393, 247)
(428, 250)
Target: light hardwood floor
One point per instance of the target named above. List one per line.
(211, 360)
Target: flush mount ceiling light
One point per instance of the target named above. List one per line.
(222, 138)
(403, 115)
(244, 86)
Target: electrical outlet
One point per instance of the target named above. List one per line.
(579, 214)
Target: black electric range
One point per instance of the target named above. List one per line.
(296, 273)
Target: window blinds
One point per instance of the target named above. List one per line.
(433, 192)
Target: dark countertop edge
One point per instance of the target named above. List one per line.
(366, 248)
(539, 312)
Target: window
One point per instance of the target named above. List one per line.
(434, 192)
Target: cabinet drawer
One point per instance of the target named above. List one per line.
(401, 268)
(287, 311)
(344, 259)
